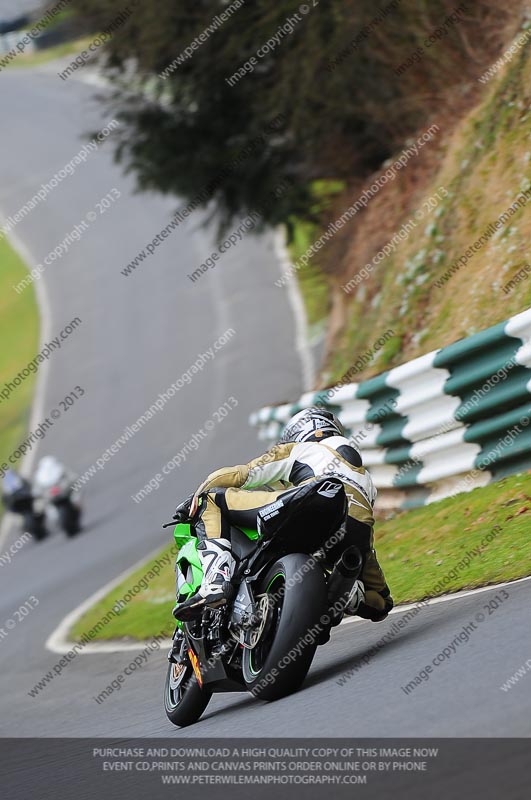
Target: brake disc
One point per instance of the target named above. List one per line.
(264, 611)
(176, 675)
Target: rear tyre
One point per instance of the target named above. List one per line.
(69, 516)
(278, 664)
(184, 699)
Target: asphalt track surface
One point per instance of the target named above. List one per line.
(138, 335)
(10, 9)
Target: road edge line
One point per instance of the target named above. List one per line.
(296, 302)
(37, 405)
(58, 643)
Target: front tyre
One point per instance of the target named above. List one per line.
(184, 699)
(34, 524)
(278, 664)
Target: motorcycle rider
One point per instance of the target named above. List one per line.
(50, 471)
(53, 486)
(12, 485)
(313, 446)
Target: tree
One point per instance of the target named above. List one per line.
(212, 116)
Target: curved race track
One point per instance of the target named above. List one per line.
(138, 335)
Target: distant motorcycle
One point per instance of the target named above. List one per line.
(55, 497)
(17, 497)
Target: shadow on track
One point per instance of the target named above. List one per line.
(355, 661)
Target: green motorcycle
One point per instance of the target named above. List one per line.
(286, 598)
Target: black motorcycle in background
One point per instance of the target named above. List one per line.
(48, 502)
(55, 497)
(17, 497)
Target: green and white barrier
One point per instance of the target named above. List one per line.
(16, 41)
(449, 421)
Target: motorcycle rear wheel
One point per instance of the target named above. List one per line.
(299, 603)
(69, 517)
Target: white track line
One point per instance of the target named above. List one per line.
(37, 410)
(445, 598)
(299, 312)
(58, 642)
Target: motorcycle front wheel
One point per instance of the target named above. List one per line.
(34, 524)
(184, 699)
(279, 662)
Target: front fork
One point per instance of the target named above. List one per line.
(175, 653)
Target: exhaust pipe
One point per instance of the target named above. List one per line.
(346, 571)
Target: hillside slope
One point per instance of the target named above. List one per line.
(457, 256)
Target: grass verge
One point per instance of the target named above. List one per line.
(146, 613)
(19, 334)
(419, 549)
(422, 552)
(38, 57)
(312, 282)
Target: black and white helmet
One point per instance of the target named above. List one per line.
(311, 425)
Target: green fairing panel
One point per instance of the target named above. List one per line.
(187, 544)
(188, 554)
(251, 533)
(182, 533)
